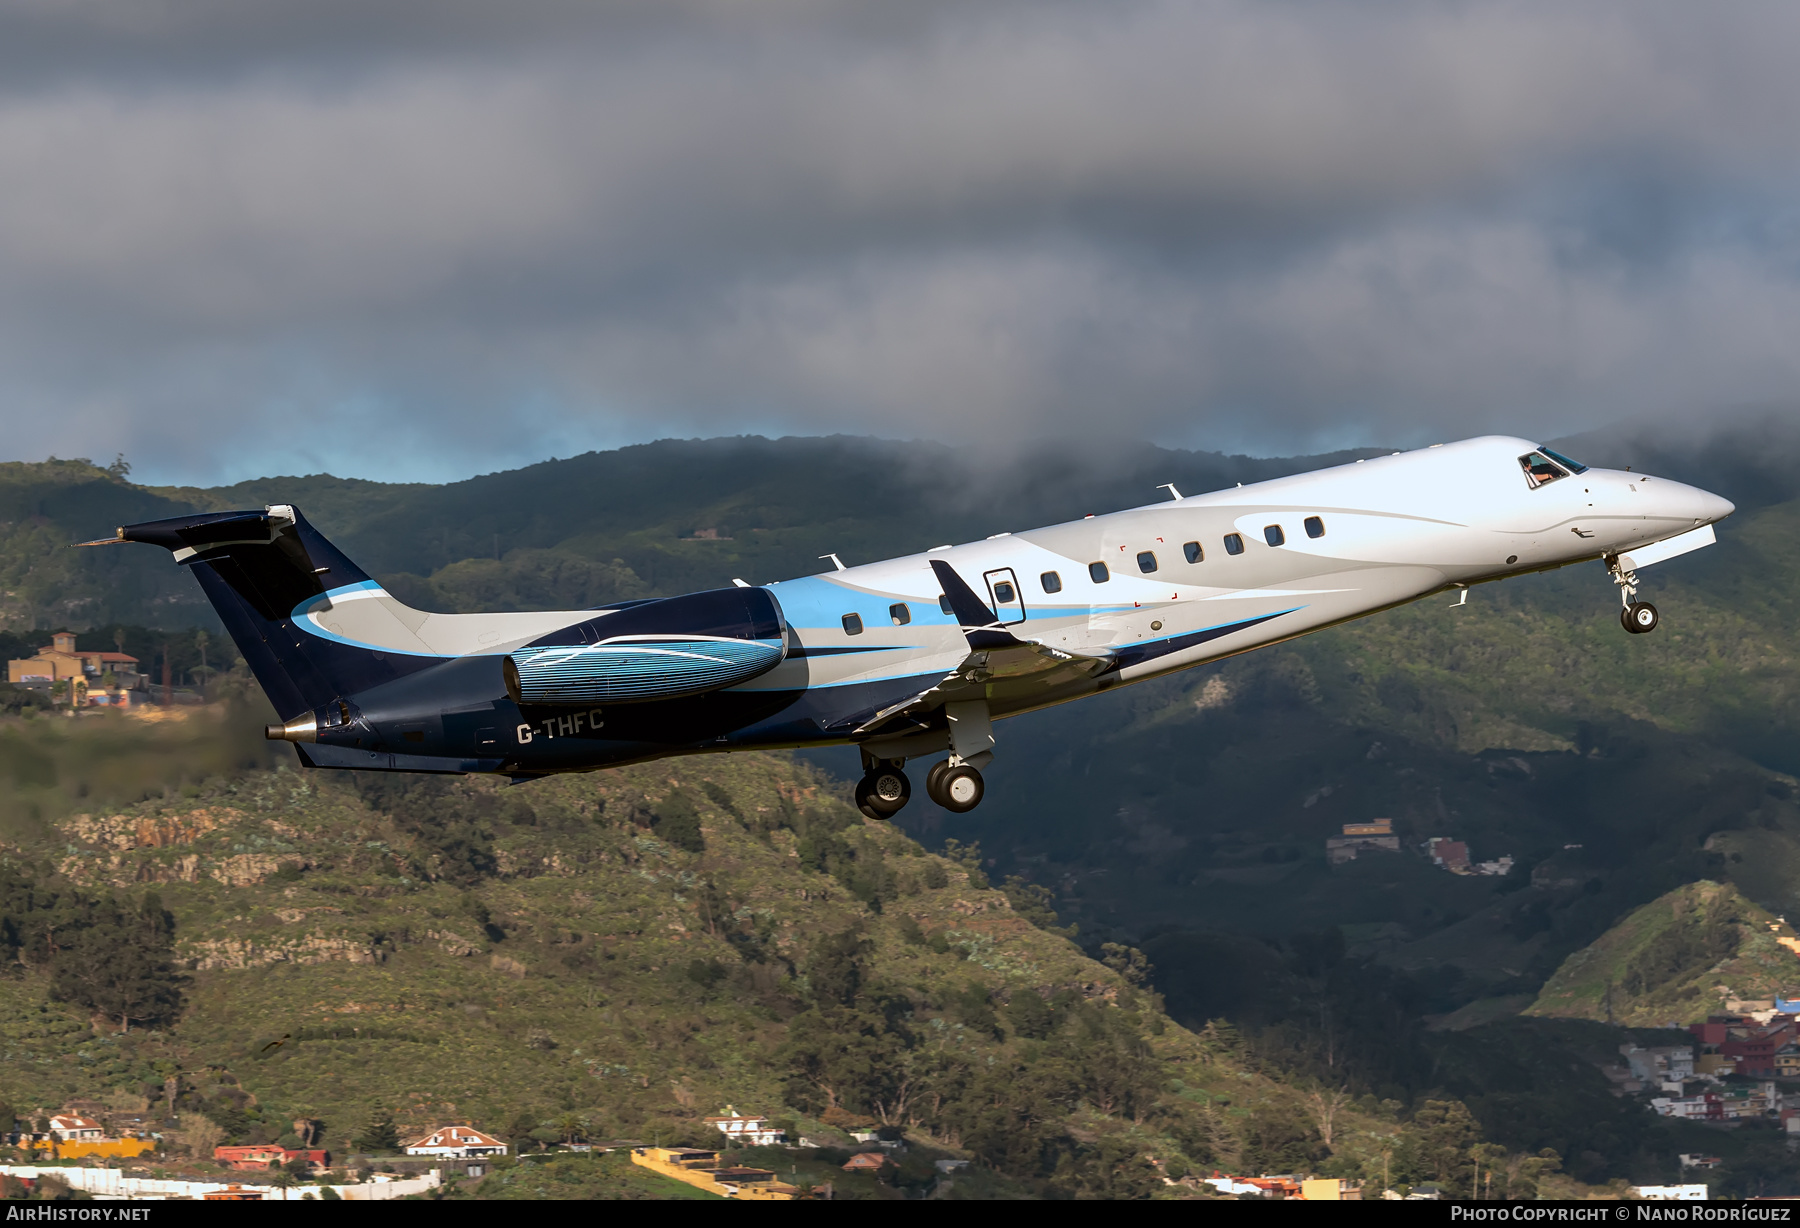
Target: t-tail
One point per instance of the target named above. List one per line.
(261, 571)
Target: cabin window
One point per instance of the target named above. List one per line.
(1051, 581)
(1004, 593)
(1233, 544)
(1098, 574)
(1193, 551)
(1540, 470)
(1315, 527)
(944, 604)
(853, 624)
(1146, 561)
(900, 613)
(1273, 535)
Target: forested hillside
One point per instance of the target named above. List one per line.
(619, 955)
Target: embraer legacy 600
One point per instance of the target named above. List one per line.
(914, 656)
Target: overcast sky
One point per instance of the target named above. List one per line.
(434, 238)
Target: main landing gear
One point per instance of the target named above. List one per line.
(1638, 617)
(884, 789)
(958, 788)
(955, 784)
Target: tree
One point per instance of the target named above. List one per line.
(202, 671)
(1323, 1105)
(380, 1134)
(836, 967)
(1128, 962)
(284, 1181)
(120, 965)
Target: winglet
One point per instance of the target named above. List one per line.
(980, 624)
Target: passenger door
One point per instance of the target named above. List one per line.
(1005, 596)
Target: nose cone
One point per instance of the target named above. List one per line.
(1692, 503)
(1716, 508)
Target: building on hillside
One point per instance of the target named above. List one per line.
(700, 1168)
(1693, 1159)
(1787, 1062)
(457, 1141)
(1500, 867)
(1734, 1104)
(1330, 1189)
(73, 1128)
(1281, 1186)
(1661, 1065)
(1753, 1049)
(1670, 1193)
(867, 1162)
(255, 1156)
(1375, 834)
(748, 1129)
(61, 661)
(1453, 855)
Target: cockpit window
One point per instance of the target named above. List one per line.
(1565, 462)
(1540, 470)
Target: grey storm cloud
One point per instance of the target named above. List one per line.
(424, 239)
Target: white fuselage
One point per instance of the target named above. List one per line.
(1389, 530)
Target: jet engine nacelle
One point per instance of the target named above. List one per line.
(667, 649)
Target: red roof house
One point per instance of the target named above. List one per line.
(456, 1141)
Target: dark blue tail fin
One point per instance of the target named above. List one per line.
(258, 569)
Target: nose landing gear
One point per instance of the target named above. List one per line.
(1638, 617)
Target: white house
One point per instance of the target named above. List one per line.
(752, 1130)
(68, 1127)
(457, 1142)
(1670, 1193)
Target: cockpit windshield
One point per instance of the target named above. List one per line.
(1565, 462)
(1540, 470)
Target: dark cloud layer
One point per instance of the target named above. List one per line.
(425, 239)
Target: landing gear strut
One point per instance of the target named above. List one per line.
(884, 789)
(1638, 617)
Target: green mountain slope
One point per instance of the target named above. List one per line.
(615, 955)
(1676, 960)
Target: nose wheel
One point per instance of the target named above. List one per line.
(883, 791)
(1638, 617)
(958, 789)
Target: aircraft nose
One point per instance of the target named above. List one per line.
(1692, 503)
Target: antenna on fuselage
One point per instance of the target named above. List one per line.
(1170, 487)
(835, 559)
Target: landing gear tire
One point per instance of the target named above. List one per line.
(934, 781)
(883, 793)
(1640, 618)
(959, 789)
